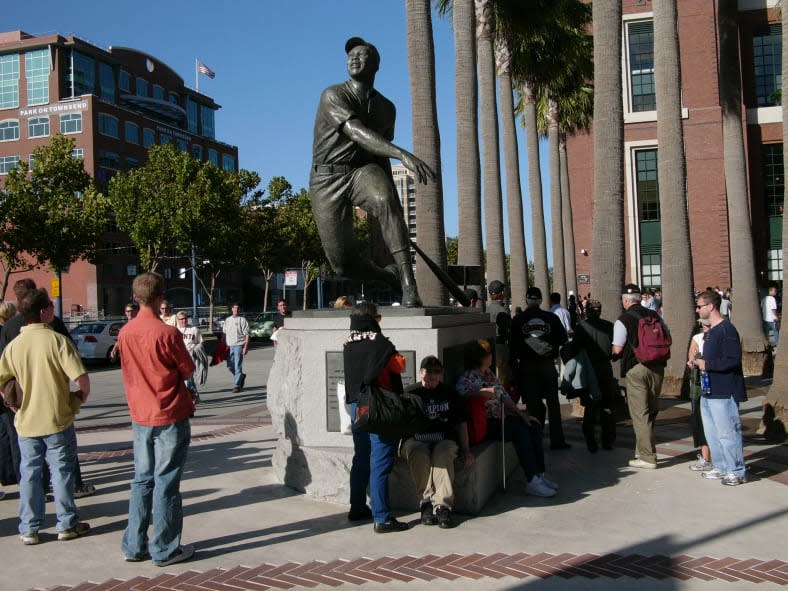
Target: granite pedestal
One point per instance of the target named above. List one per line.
(312, 455)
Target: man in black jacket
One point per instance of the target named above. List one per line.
(534, 343)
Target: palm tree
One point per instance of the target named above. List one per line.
(676, 250)
(559, 271)
(426, 143)
(777, 398)
(566, 215)
(607, 245)
(743, 276)
(518, 260)
(493, 210)
(466, 91)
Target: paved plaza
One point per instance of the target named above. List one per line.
(610, 526)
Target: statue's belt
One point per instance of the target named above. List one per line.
(333, 168)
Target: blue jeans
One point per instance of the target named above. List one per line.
(527, 441)
(235, 363)
(771, 327)
(373, 460)
(60, 450)
(722, 426)
(159, 458)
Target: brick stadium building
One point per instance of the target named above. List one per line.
(760, 38)
(115, 103)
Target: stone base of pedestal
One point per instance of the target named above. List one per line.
(312, 455)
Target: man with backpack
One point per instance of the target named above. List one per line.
(642, 342)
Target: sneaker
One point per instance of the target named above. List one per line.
(548, 481)
(363, 514)
(713, 474)
(733, 480)
(236, 390)
(538, 488)
(444, 517)
(427, 517)
(84, 491)
(242, 381)
(145, 556)
(29, 539)
(638, 463)
(392, 525)
(2, 495)
(701, 465)
(181, 555)
(80, 529)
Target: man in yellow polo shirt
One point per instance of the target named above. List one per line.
(43, 362)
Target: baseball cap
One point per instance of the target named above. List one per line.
(356, 41)
(495, 287)
(595, 304)
(631, 288)
(533, 293)
(471, 294)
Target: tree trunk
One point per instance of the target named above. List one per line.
(559, 270)
(677, 282)
(607, 246)
(541, 279)
(743, 275)
(566, 213)
(493, 209)
(775, 416)
(518, 260)
(426, 145)
(470, 249)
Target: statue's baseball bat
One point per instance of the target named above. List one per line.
(453, 288)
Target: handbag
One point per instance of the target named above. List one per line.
(12, 394)
(390, 414)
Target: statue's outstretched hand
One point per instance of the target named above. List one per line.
(423, 173)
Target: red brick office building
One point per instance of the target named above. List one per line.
(761, 58)
(115, 103)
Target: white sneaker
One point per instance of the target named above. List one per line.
(548, 481)
(538, 488)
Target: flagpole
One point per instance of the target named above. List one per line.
(197, 74)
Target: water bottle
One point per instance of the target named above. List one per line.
(705, 384)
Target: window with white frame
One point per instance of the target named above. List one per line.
(649, 217)
(9, 130)
(38, 127)
(37, 74)
(71, 123)
(7, 163)
(9, 81)
(78, 153)
(640, 66)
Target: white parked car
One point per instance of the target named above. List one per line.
(95, 339)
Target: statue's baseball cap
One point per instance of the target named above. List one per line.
(495, 287)
(533, 294)
(631, 288)
(356, 41)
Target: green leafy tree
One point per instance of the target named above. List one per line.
(56, 213)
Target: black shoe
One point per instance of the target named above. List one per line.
(592, 446)
(242, 381)
(560, 446)
(444, 517)
(364, 514)
(607, 446)
(389, 526)
(427, 517)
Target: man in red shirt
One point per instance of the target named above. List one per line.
(155, 366)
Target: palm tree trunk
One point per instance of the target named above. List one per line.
(493, 209)
(677, 275)
(566, 213)
(470, 249)
(607, 245)
(775, 416)
(743, 276)
(426, 144)
(541, 279)
(559, 271)
(518, 260)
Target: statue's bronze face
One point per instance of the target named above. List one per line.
(361, 62)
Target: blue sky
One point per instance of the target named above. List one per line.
(272, 59)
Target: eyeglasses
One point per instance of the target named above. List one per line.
(699, 306)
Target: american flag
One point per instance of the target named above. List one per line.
(203, 69)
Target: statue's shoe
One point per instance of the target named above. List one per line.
(410, 297)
